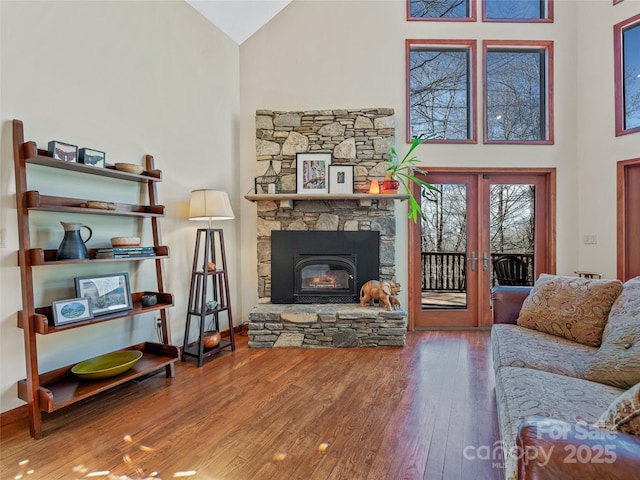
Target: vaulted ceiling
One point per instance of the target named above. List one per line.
(239, 19)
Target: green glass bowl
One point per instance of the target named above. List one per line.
(107, 365)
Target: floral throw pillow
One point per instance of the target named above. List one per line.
(624, 413)
(571, 307)
(617, 361)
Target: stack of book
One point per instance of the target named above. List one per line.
(125, 252)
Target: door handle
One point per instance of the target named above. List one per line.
(474, 261)
(485, 261)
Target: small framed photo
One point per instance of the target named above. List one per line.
(71, 311)
(340, 178)
(92, 157)
(312, 172)
(107, 293)
(63, 151)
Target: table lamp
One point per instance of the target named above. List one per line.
(210, 205)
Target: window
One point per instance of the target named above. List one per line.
(518, 10)
(518, 96)
(626, 40)
(441, 89)
(442, 10)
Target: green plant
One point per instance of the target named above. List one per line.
(404, 171)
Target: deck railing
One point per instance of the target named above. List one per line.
(446, 271)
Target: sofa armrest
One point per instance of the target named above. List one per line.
(507, 301)
(554, 449)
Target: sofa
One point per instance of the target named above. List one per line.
(566, 357)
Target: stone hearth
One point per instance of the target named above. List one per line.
(325, 326)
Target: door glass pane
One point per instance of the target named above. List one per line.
(512, 233)
(444, 247)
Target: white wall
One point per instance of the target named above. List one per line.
(598, 148)
(129, 78)
(318, 54)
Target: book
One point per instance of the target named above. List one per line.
(125, 255)
(124, 250)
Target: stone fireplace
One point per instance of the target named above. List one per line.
(319, 308)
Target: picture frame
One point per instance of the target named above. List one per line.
(92, 157)
(341, 179)
(72, 310)
(107, 293)
(63, 151)
(312, 172)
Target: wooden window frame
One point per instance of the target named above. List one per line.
(471, 18)
(547, 46)
(471, 45)
(547, 19)
(619, 75)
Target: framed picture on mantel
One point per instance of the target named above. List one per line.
(312, 172)
(341, 179)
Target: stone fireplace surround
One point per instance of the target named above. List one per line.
(360, 137)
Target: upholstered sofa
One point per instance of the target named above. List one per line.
(566, 358)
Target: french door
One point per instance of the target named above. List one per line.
(474, 219)
(628, 219)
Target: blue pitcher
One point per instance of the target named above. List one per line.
(72, 246)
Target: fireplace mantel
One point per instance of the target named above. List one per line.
(325, 196)
(286, 199)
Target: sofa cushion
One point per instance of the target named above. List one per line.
(624, 413)
(515, 346)
(571, 307)
(617, 361)
(523, 392)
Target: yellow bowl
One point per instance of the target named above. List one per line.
(107, 365)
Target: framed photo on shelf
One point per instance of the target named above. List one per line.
(312, 172)
(63, 151)
(340, 178)
(71, 311)
(92, 157)
(107, 293)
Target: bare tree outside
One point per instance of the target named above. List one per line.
(444, 228)
(515, 9)
(515, 99)
(512, 219)
(439, 92)
(439, 8)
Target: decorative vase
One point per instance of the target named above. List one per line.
(211, 338)
(73, 245)
(390, 186)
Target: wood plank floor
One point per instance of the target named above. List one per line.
(417, 412)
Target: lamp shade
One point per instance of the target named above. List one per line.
(210, 205)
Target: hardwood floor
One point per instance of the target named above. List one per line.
(417, 412)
